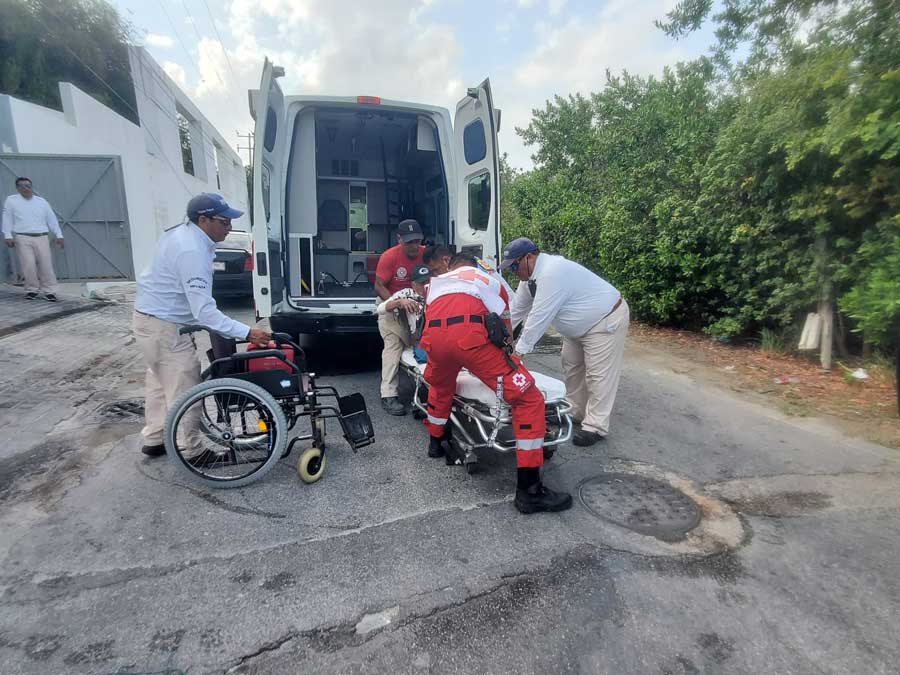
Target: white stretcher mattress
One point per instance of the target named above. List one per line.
(470, 387)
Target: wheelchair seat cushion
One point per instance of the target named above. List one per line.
(470, 387)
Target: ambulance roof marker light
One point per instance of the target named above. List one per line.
(368, 100)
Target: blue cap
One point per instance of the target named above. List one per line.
(210, 204)
(515, 250)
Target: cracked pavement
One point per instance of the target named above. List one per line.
(111, 562)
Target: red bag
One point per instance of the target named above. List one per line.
(271, 362)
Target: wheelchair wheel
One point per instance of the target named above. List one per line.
(226, 432)
(311, 465)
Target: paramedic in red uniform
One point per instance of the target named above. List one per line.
(394, 272)
(455, 337)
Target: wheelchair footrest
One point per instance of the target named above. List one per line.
(355, 421)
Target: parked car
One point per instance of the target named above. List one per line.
(233, 266)
(332, 178)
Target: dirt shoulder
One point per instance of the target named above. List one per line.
(793, 384)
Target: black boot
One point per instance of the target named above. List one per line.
(435, 447)
(532, 496)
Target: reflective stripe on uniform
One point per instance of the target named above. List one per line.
(440, 421)
(529, 443)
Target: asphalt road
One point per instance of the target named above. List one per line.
(112, 563)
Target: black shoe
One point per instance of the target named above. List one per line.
(392, 406)
(31, 296)
(538, 498)
(154, 450)
(584, 438)
(51, 297)
(436, 447)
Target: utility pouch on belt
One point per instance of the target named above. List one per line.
(499, 336)
(496, 330)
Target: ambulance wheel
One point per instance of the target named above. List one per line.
(311, 465)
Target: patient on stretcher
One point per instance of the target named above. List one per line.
(471, 388)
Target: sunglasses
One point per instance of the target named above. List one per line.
(515, 265)
(224, 221)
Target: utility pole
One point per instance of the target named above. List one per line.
(826, 302)
(248, 147)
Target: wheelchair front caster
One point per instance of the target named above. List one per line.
(311, 465)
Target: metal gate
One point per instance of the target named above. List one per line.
(87, 193)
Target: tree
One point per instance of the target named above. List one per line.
(44, 42)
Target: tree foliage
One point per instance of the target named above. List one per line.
(44, 42)
(724, 196)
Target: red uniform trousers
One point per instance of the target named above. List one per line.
(464, 344)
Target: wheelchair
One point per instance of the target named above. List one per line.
(233, 427)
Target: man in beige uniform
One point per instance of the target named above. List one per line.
(394, 272)
(28, 221)
(176, 290)
(590, 314)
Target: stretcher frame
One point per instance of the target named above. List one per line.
(476, 428)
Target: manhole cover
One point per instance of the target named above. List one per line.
(124, 410)
(641, 504)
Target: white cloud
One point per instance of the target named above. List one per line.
(389, 49)
(213, 68)
(555, 7)
(396, 49)
(156, 40)
(176, 72)
(574, 57)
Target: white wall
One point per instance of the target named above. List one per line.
(157, 188)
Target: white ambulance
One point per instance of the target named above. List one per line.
(332, 178)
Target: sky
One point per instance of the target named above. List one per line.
(426, 51)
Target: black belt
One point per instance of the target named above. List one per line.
(453, 320)
(149, 315)
(31, 234)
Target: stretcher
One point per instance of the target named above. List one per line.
(480, 419)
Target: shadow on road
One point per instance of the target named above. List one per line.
(342, 355)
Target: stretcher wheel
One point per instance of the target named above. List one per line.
(548, 453)
(311, 465)
(471, 467)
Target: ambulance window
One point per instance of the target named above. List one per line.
(480, 201)
(266, 189)
(271, 129)
(474, 142)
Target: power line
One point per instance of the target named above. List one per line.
(224, 51)
(117, 95)
(178, 36)
(199, 38)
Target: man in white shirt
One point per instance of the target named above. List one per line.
(175, 290)
(590, 314)
(27, 222)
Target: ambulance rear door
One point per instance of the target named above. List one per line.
(267, 108)
(477, 160)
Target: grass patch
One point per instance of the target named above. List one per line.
(771, 342)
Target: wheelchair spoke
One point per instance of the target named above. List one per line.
(239, 442)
